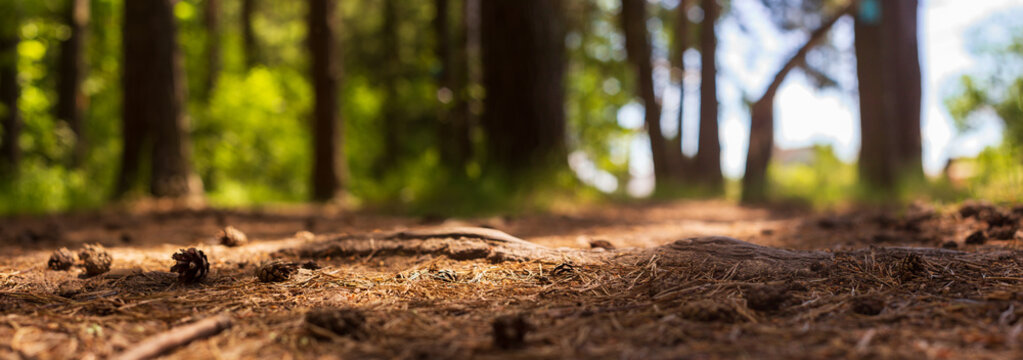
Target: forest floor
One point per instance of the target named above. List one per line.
(618, 281)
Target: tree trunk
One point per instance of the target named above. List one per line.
(71, 100)
(637, 46)
(154, 100)
(679, 165)
(888, 71)
(10, 118)
(391, 69)
(908, 80)
(523, 73)
(761, 135)
(251, 48)
(212, 22)
(328, 162)
(453, 110)
(708, 156)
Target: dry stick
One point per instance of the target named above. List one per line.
(169, 340)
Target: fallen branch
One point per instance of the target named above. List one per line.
(171, 339)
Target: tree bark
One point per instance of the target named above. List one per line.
(523, 74)
(71, 100)
(452, 102)
(908, 80)
(251, 48)
(708, 156)
(10, 118)
(761, 136)
(154, 100)
(637, 46)
(888, 71)
(328, 162)
(679, 164)
(391, 66)
(213, 55)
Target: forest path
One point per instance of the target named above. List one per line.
(860, 284)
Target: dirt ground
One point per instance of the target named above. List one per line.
(619, 281)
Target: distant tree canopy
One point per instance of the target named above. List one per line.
(413, 105)
(998, 89)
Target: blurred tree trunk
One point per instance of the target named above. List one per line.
(453, 105)
(761, 135)
(251, 48)
(329, 161)
(708, 156)
(391, 69)
(154, 100)
(637, 47)
(212, 22)
(71, 100)
(908, 80)
(10, 118)
(679, 164)
(888, 72)
(523, 73)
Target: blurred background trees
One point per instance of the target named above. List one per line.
(448, 105)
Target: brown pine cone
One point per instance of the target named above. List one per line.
(275, 271)
(231, 236)
(191, 266)
(95, 259)
(61, 259)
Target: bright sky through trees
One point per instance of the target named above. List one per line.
(807, 116)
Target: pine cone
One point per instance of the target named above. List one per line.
(191, 266)
(275, 271)
(95, 259)
(61, 259)
(231, 236)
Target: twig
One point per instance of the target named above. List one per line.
(169, 340)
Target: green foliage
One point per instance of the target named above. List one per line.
(998, 89)
(824, 181)
(252, 146)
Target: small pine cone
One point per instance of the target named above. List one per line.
(95, 259)
(232, 237)
(275, 271)
(191, 265)
(62, 259)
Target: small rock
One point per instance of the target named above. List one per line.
(976, 238)
(231, 236)
(61, 259)
(510, 331)
(602, 244)
(323, 323)
(95, 259)
(866, 305)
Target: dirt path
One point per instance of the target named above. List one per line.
(850, 289)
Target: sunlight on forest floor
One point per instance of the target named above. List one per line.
(888, 284)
